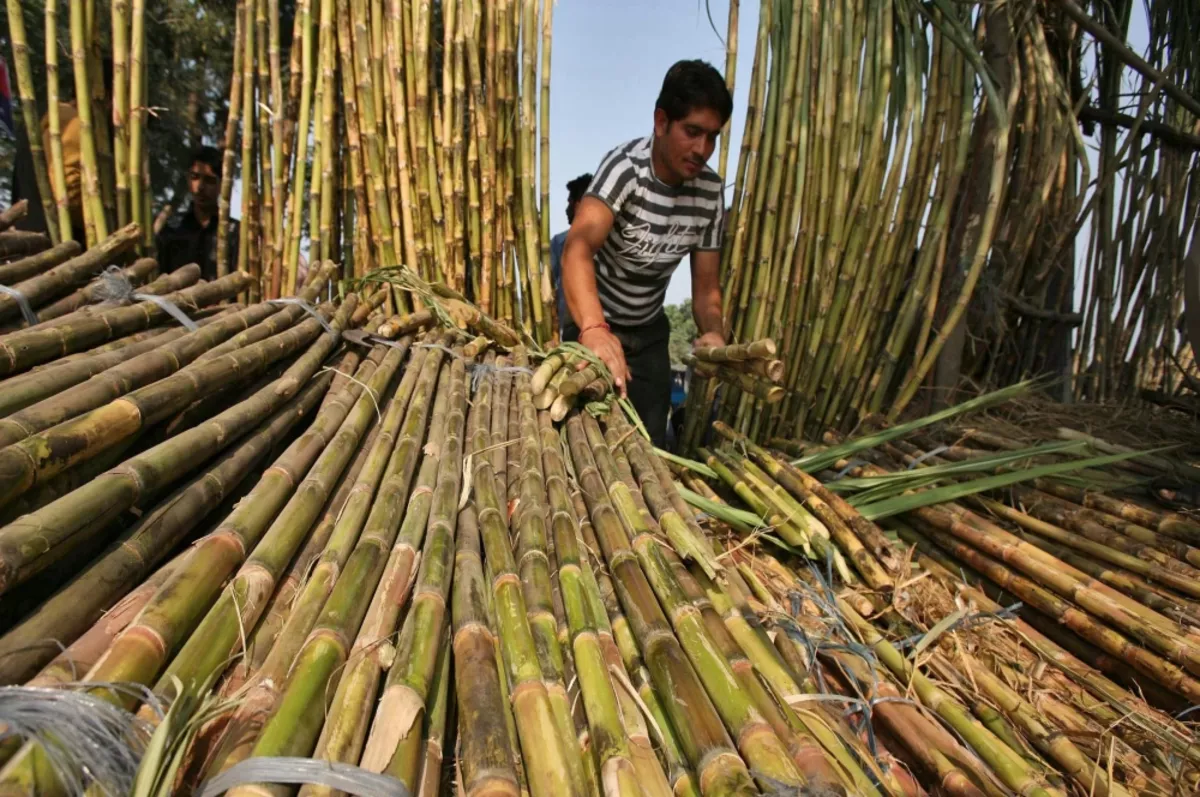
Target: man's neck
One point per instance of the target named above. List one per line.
(201, 214)
(658, 163)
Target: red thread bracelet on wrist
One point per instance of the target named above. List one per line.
(602, 325)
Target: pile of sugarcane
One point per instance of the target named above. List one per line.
(751, 367)
(893, 235)
(931, 532)
(45, 294)
(430, 145)
(392, 133)
(316, 543)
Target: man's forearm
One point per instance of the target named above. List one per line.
(706, 310)
(579, 284)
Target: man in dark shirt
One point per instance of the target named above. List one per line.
(191, 236)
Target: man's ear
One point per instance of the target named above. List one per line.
(661, 122)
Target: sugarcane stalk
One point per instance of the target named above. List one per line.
(17, 271)
(137, 152)
(58, 178)
(229, 141)
(32, 119)
(246, 230)
(304, 25)
(485, 761)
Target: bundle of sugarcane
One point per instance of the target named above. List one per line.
(567, 377)
(1017, 707)
(445, 171)
(749, 367)
(36, 281)
(1118, 590)
(292, 548)
(880, 220)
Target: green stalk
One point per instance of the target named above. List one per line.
(138, 176)
(30, 116)
(299, 178)
(229, 141)
(486, 765)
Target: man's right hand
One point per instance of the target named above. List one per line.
(604, 344)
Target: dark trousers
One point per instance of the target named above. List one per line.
(649, 360)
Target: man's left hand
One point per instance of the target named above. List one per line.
(709, 339)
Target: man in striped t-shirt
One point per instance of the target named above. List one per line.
(651, 202)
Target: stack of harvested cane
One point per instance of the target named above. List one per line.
(430, 146)
(309, 543)
(387, 133)
(1055, 692)
(750, 368)
(916, 203)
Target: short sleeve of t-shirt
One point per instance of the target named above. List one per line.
(615, 179)
(714, 234)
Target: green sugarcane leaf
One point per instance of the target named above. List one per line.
(953, 492)
(824, 459)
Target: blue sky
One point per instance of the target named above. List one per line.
(607, 66)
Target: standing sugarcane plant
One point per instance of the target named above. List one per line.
(31, 118)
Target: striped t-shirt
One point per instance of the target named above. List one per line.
(654, 226)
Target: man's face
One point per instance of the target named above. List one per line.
(205, 185)
(687, 144)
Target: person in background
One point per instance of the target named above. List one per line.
(191, 235)
(575, 191)
(653, 200)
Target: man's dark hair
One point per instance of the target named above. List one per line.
(577, 187)
(208, 155)
(694, 84)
